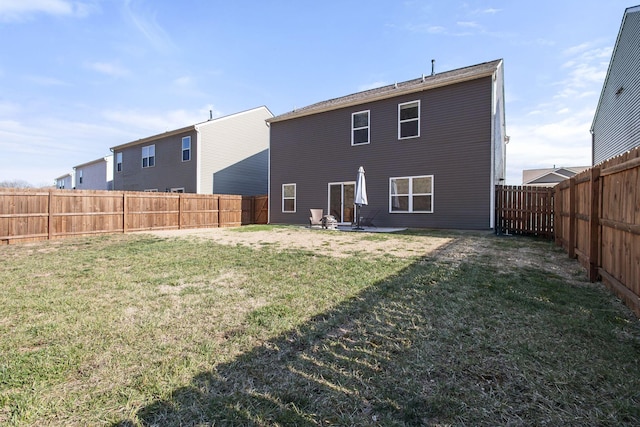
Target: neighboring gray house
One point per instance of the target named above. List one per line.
(64, 182)
(227, 155)
(616, 124)
(433, 150)
(549, 177)
(95, 175)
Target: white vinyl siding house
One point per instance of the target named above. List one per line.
(226, 155)
(233, 153)
(616, 124)
(95, 175)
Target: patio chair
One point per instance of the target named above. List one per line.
(316, 217)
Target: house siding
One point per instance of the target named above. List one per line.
(169, 170)
(616, 125)
(64, 182)
(455, 146)
(97, 175)
(235, 150)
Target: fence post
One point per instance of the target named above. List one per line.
(125, 212)
(179, 211)
(572, 218)
(50, 223)
(498, 209)
(594, 225)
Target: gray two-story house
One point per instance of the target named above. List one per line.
(226, 155)
(616, 123)
(433, 150)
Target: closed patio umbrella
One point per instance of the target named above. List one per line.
(361, 195)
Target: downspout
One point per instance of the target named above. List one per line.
(198, 161)
(269, 175)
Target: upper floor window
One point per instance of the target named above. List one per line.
(288, 197)
(80, 177)
(360, 128)
(186, 148)
(412, 194)
(118, 162)
(149, 156)
(409, 120)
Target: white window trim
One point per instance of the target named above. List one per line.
(177, 190)
(150, 190)
(188, 149)
(295, 198)
(148, 156)
(119, 161)
(410, 194)
(368, 127)
(410, 120)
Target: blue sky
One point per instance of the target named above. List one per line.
(80, 76)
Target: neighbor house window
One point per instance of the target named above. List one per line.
(177, 190)
(149, 156)
(118, 162)
(151, 190)
(360, 128)
(186, 148)
(80, 177)
(288, 197)
(411, 194)
(409, 120)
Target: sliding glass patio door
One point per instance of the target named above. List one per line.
(341, 196)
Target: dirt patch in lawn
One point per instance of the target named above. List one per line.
(504, 252)
(326, 242)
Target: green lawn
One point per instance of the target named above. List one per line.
(136, 330)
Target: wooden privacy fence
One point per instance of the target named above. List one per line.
(524, 210)
(27, 215)
(598, 222)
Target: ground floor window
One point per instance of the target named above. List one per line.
(411, 194)
(288, 197)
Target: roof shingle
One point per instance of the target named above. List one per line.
(416, 85)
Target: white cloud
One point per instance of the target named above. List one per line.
(543, 140)
(142, 124)
(468, 24)
(146, 23)
(183, 81)
(18, 10)
(110, 69)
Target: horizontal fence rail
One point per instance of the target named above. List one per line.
(28, 215)
(598, 222)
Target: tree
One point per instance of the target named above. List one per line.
(16, 183)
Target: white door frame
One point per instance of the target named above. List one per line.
(342, 206)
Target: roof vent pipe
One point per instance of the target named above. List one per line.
(210, 114)
(433, 67)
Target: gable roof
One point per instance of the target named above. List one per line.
(627, 11)
(185, 129)
(425, 82)
(550, 175)
(100, 160)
